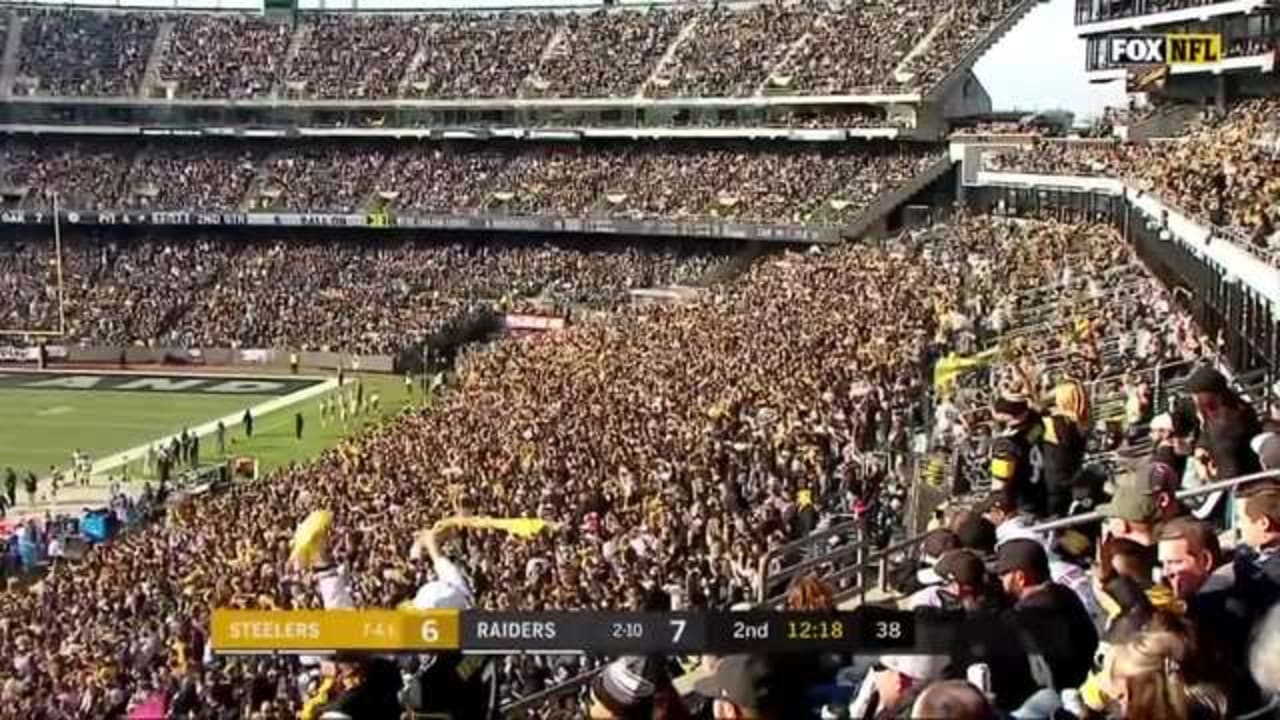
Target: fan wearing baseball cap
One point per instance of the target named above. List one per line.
(745, 687)
(1050, 618)
(963, 578)
(893, 684)
(635, 688)
(1267, 447)
(1132, 511)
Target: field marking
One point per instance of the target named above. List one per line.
(54, 411)
(177, 373)
(260, 410)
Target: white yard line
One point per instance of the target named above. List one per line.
(230, 421)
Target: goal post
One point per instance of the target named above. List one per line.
(60, 287)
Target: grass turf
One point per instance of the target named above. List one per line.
(273, 442)
(43, 427)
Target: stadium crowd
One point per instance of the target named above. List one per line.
(727, 51)
(366, 297)
(669, 446)
(730, 51)
(353, 57)
(235, 57)
(76, 53)
(460, 61)
(786, 184)
(607, 54)
(1222, 170)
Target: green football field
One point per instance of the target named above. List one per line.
(42, 426)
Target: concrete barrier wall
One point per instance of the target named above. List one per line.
(276, 359)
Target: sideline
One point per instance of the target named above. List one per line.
(259, 411)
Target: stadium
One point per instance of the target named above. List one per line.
(557, 359)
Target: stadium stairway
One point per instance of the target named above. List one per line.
(799, 44)
(733, 267)
(159, 48)
(258, 184)
(12, 45)
(657, 76)
(901, 73)
(411, 70)
(889, 201)
(299, 38)
(961, 69)
(556, 45)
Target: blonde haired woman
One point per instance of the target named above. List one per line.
(1149, 683)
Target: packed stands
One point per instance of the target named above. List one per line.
(333, 178)
(88, 175)
(214, 56)
(835, 58)
(367, 297)
(722, 409)
(964, 25)
(731, 50)
(607, 54)
(432, 180)
(1222, 171)
(672, 448)
(85, 53)
(353, 57)
(785, 184)
(714, 51)
(202, 178)
(457, 60)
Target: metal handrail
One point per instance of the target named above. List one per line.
(762, 568)
(879, 561)
(556, 690)
(1213, 487)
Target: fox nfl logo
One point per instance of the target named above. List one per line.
(1164, 49)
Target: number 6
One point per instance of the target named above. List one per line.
(430, 631)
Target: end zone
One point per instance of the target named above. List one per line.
(286, 389)
(166, 383)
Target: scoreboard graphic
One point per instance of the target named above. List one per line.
(319, 632)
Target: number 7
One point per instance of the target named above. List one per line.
(679, 626)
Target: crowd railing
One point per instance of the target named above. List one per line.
(879, 564)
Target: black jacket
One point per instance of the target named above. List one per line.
(1227, 437)
(1051, 623)
(1232, 613)
(1062, 447)
(1017, 462)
